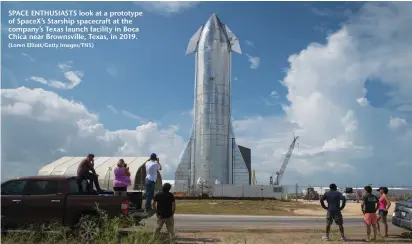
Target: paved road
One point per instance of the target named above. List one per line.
(204, 222)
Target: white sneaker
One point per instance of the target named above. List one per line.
(326, 238)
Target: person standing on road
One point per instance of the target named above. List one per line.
(369, 207)
(83, 173)
(121, 179)
(165, 207)
(152, 166)
(384, 205)
(333, 197)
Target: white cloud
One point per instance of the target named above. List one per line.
(113, 109)
(128, 114)
(339, 140)
(29, 57)
(254, 61)
(249, 43)
(235, 78)
(133, 116)
(73, 77)
(39, 79)
(362, 101)
(396, 123)
(324, 84)
(167, 8)
(38, 126)
(269, 103)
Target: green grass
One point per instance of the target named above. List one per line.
(107, 234)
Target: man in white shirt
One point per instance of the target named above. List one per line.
(152, 166)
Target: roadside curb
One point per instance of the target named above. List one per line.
(261, 216)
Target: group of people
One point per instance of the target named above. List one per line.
(374, 210)
(163, 204)
(86, 171)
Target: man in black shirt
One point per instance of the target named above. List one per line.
(369, 206)
(164, 205)
(83, 173)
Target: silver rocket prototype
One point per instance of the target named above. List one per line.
(212, 155)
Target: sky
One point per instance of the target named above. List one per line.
(337, 74)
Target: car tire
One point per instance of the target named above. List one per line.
(88, 227)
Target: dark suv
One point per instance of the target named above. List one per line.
(402, 216)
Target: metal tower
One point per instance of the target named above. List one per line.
(280, 173)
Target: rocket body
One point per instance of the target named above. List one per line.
(212, 105)
(209, 153)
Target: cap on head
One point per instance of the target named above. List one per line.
(153, 156)
(384, 189)
(333, 187)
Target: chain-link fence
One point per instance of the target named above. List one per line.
(314, 193)
(231, 191)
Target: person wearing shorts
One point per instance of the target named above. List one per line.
(369, 206)
(334, 214)
(384, 205)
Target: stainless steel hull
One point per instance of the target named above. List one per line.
(210, 154)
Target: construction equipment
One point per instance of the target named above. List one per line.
(280, 173)
(311, 194)
(349, 194)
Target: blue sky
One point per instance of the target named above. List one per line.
(151, 79)
(156, 64)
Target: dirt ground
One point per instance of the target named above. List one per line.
(242, 207)
(351, 209)
(280, 236)
(259, 207)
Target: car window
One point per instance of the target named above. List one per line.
(42, 187)
(73, 187)
(13, 187)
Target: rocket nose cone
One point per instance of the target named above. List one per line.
(214, 30)
(213, 21)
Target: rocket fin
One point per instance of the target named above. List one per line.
(194, 41)
(234, 41)
(240, 171)
(182, 174)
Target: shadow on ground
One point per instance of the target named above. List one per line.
(189, 240)
(405, 237)
(164, 237)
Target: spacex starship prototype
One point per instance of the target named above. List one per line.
(212, 155)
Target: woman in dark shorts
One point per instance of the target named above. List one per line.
(121, 179)
(384, 205)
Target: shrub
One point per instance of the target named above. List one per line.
(106, 232)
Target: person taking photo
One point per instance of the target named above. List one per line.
(152, 166)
